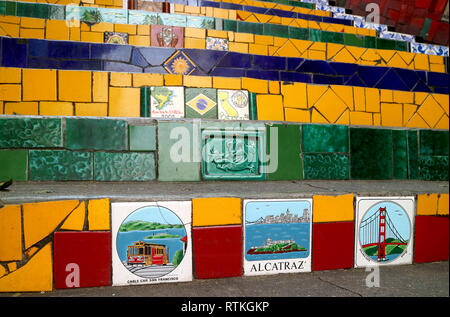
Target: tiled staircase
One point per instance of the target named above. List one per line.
(177, 97)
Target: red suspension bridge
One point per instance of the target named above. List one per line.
(376, 229)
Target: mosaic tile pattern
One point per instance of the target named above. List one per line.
(30, 133)
(130, 166)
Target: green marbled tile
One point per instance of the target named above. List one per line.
(413, 154)
(130, 166)
(60, 165)
(326, 166)
(433, 142)
(96, 134)
(30, 133)
(370, 153)
(324, 138)
(434, 168)
(400, 154)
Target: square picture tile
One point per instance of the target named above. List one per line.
(179, 63)
(277, 236)
(167, 36)
(115, 38)
(82, 259)
(151, 242)
(233, 104)
(167, 102)
(384, 231)
(201, 103)
(218, 44)
(149, 6)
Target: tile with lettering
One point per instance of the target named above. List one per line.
(151, 242)
(233, 104)
(167, 102)
(384, 231)
(277, 236)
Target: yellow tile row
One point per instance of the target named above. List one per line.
(433, 205)
(238, 42)
(86, 93)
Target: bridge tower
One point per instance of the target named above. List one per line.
(382, 235)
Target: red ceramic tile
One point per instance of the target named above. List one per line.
(167, 36)
(82, 259)
(332, 245)
(431, 239)
(217, 251)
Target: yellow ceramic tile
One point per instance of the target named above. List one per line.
(443, 123)
(75, 221)
(357, 52)
(120, 79)
(10, 19)
(255, 85)
(195, 33)
(440, 68)
(57, 30)
(312, 54)
(12, 30)
(258, 49)
(386, 95)
(173, 80)
(406, 56)
(98, 214)
(314, 93)
(427, 204)
(288, 49)
(35, 276)
(443, 101)
(372, 100)
(126, 28)
(12, 266)
(417, 122)
(42, 89)
(143, 29)
(100, 86)
(124, 102)
(264, 39)
(75, 33)
(443, 205)
(218, 34)
(3, 271)
(408, 111)
(84, 27)
(421, 62)
(274, 87)
(238, 47)
(32, 33)
(226, 83)
(333, 208)
(359, 95)
(139, 40)
(22, 108)
(190, 42)
(435, 59)
(11, 92)
(94, 37)
(10, 233)
(391, 114)
(191, 9)
(294, 95)
(53, 108)
(419, 97)
(403, 96)
(317, 117)
(221, 13)
(74, 86)
(360, 118)
(10, 75)
(41, 219)
(270, 107)
(397, 61)
(344, 56)
(147, 79)
(244, 37)
(333, 49)
(197, 81)
(330, 106)
(297, 115)
(344, 118)
(387, 55)
(99, 109)
(430, 111)
(102, 27)
(345, 93)
(226, 211)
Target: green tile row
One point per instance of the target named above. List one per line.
(56, 149)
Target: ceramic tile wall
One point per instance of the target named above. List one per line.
(36, 237)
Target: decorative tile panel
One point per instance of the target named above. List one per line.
(151, 242)
(179, 64)
(233, 104)
(201, 103)
(167, 36)
(30, 133)
(131, 166)
(115, 38)
(167, 102)
(218, 44)
(277, 236)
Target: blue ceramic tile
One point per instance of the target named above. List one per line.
(293, 63)
(121, 67)
(438, 79)
(41, 62)
(209, 4)
(347, 69)
(230, 6)
(80, 65)
(354, 81)
(156, 56)
(204, 59)
(254, 9)
(314, 66)
(111, 52)
(173, 63)
(227, 72)
(156, 70)
(38, 48)
(391, 81)
(371, 74)
(14, 52)
(297, 77)
(238, 60)
(76, 50)
(263, 74)
(421, 86)
(441, 90)
(137, 59)
(269, 62)
(281, 13)
(409, 77)
(327, 80)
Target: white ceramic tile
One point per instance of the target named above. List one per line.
(233, 104)
(131, 225)
(167, 102)
(281, 225)
(388, 219)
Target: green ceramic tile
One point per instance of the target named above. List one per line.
(275, 30)
(298, 33)
(178, 151)
(401, 46)
(142, 137)
(325, 166)
(302, 4)
(434, 142)
(249, 27)
(96, 134)
(284, 152)
(353, 40)
(370, 153)
(434, 168)
(145, 102)
(315, 35)
(2, 8)
(230, 25)
(32, 10)
(200, 103)
(11, 8)
(56, 12)
(400, 154)
(252, 106)
(14, 164)
(30, 133)
(385, 44)
(233, 155)
(369, 42)
(413, 154)
(60, 165)
(324, 138)
(332, 37)
(130, 166)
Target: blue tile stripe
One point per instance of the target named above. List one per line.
(49, 54)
